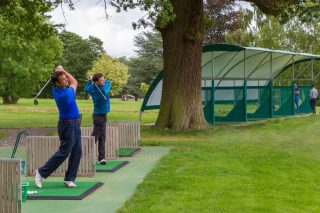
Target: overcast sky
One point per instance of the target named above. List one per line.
(88, 18)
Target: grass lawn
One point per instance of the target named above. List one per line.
(271, 167)
(264, 167)
(26, 114)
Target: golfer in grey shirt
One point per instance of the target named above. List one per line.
(313, 98)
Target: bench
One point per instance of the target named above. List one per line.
(10, 188)
(40, 148)
(112, 141)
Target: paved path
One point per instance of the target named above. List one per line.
(117, 188)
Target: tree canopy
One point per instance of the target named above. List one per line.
(79, 54)
(29, 49)
(113, 70)
(148, 63)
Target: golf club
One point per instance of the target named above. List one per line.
(35, 101)
(101, 92)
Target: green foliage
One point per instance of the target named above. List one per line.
(147, 65)
(221, 17)
(114, 71)
(79, 54)
(269, 32)
(161, 12)
(27, 18)
(144, 87)
(26, 56)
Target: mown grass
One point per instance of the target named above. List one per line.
(270, 167)
(264, 167)
(27, 115)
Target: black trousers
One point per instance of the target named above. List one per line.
(313, 104)
(99, 132)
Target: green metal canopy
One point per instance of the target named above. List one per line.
(226, 65)
(232, 62)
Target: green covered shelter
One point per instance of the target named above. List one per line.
(248, 83)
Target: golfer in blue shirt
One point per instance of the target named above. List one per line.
(99, 89)
(64, 94)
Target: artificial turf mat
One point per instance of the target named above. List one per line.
(127, 152)
(57, 191)
(112, 166)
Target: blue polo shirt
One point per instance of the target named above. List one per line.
(100, 104)
(296, 92)
(65, 99)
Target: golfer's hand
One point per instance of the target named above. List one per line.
(60, 69)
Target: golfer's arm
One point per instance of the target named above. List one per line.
(88, 87)
(73, 82)
(107, 86)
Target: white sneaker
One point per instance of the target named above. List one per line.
(38, 179)
(103, 162)
(69, 184)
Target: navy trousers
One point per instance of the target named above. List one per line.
(70, 146)
(99, 132)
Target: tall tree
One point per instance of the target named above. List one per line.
(221, 18)
(29, 49)
(181, 23)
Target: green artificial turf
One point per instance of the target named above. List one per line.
(58, 189)
(127, 152)
(112, 165)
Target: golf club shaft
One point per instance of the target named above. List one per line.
(101, 92)
(42, 88)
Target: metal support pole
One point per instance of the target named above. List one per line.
(271, 88)
(213, 103)
(245, 118)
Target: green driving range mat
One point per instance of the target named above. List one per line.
(112, 166)
(127, 152)
(57, 191)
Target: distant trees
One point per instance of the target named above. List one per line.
(221, 18)
(114, 71)
(148, 63)
(79, 54)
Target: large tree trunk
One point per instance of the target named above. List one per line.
(181, 104)
(9, 99)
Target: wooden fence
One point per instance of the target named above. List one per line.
(10, 186)
(40, 148)
(129, 132)
(112, 141)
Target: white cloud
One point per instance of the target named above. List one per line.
(87, 19)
